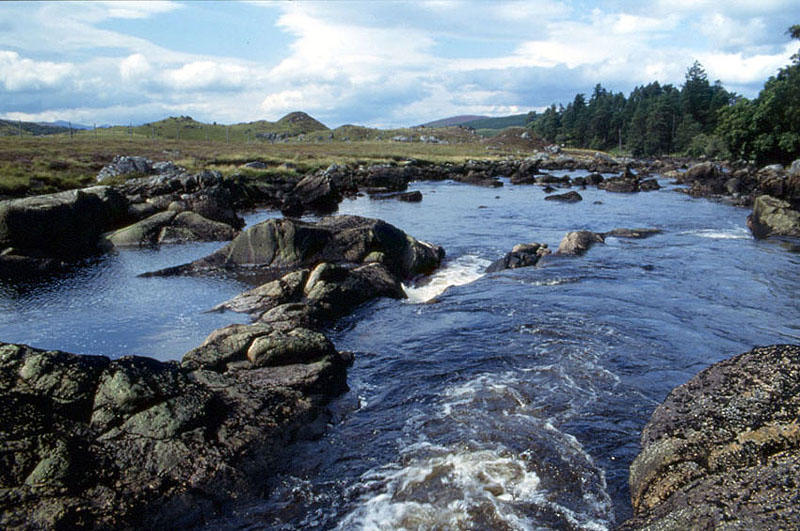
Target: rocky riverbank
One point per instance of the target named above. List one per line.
(86, 441)
(723, 450)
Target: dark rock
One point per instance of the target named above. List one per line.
(578, 242)
(553, 179)
(66, 225)
(632, 233)
(649, 185)
(410, 197)
(389, 178)
(526, 173)
(623, 184)
(569, 197)
(548, 189)
(522, 255)
(170, 227)
(478, 178)
(278, 245)
(87, 442)
(723, 450)
(594, 179)
(315, 192)
(773, 217)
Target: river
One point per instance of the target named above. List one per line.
(512, 400)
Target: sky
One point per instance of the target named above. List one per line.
(376, 63)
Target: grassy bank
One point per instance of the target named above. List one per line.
(36, 165)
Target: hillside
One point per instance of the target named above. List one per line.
(454, 120)
(10, 128)
(500, 122)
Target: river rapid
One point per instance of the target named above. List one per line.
(511, 400)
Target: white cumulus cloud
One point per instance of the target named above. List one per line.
(19, 73)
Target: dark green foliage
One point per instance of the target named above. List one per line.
(700, 119)
(767, 129)
(516, 120)
(653, 120)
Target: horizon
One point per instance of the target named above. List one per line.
(385, 65)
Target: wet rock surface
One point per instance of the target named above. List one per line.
(278, 245)
(522, 255)
(93, 442)
(578, 242)
(773, 217)
(723, 450)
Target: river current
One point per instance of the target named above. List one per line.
(511, 400)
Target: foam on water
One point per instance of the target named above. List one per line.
(448, 488)
(738, 233)
(483, 460)
(462, 270)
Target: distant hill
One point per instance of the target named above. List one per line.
(67, 124)
(10, 128)
(501, 122)
(454, 120)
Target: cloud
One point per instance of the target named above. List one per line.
(375, 63)
(19, 73)
(206, 75)
(122, 9)
(134, 67)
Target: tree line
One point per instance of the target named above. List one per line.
(699, 118)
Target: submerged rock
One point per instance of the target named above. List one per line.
(723, 450)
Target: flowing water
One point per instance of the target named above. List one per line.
(512, 400)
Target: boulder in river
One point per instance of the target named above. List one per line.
(570, 197)
(279, 245)
(723, 450)
(578, 242)
(408, 197)
(316, 192)
(773, 217)
(521, 255)
(170, 227)
(65, 225)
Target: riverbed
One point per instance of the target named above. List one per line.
(513, 400)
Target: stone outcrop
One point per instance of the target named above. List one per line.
(99, 443)
(170, 227)
(773, 217)
(521, 255)
(279, 245)
(723, 450)
(42, 234)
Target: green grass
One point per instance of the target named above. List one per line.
(36, 165)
